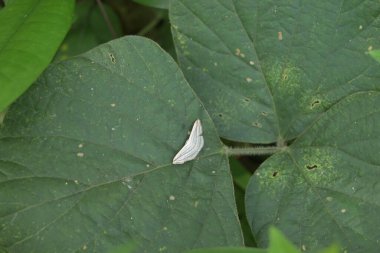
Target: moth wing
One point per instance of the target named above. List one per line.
(193, 145)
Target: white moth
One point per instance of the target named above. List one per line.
(192, 145)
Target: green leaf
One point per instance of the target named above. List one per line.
(162, 4)
(249, 241)
(7, 2)
(241, 178)
(30, 34)
(228, 250)
(89, 29)
(375, 54)
(332, 249)
(2, 115)
(86, 159)
(240, 174)
(278, 243)
(129, 248)
(2, 250)
(324, 188)
(266, 69)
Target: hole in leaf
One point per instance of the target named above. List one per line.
(257, 124)
(275, 174)
(311, 167)
(315, 103)
(112, 58)
(220, 115)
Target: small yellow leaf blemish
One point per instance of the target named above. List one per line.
(64, 47)
(257, 124)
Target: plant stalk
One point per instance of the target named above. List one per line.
(152, 24)
(106, 18)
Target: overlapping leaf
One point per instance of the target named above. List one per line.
(85, 159)
(30, 33)
(325, 188)
(266, 69)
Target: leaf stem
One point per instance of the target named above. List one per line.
(106, 18)
(152, 24)
(230, 151)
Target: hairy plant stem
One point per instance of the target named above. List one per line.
(230, 151)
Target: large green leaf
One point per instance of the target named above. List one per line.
(86, 153)
(325, 187)
(265, 69)
(30, 33)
